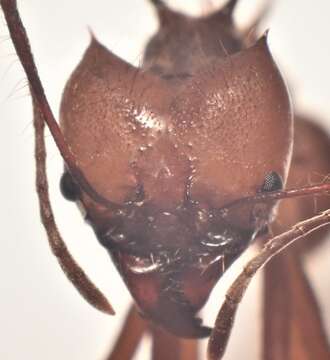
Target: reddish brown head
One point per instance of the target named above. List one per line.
(203, 123)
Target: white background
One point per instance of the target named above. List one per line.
(41, 315)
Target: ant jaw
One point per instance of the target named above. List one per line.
(168, 296)
(170, 261)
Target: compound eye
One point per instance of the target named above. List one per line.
(69, 188)
(272, 182)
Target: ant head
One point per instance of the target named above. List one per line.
(170, 151)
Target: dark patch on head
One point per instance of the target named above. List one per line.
(69, 188)
(273, 182)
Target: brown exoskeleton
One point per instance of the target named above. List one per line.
(144, 195)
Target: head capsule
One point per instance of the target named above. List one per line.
(171, 144)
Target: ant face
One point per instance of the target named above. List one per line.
(204, 198)
(170, 260)
(165, 149)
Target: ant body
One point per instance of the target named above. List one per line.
(268, 182)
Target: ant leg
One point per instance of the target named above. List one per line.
(225, 318)
(23, 50)
(165, 344)
(285, 317)
(276, 310)
(290, 319)
(189, 349)
(69, 266)
(130, 336)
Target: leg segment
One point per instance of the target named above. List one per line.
(293, 327)
(225, 318)
(130, 336)
(166, 346)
